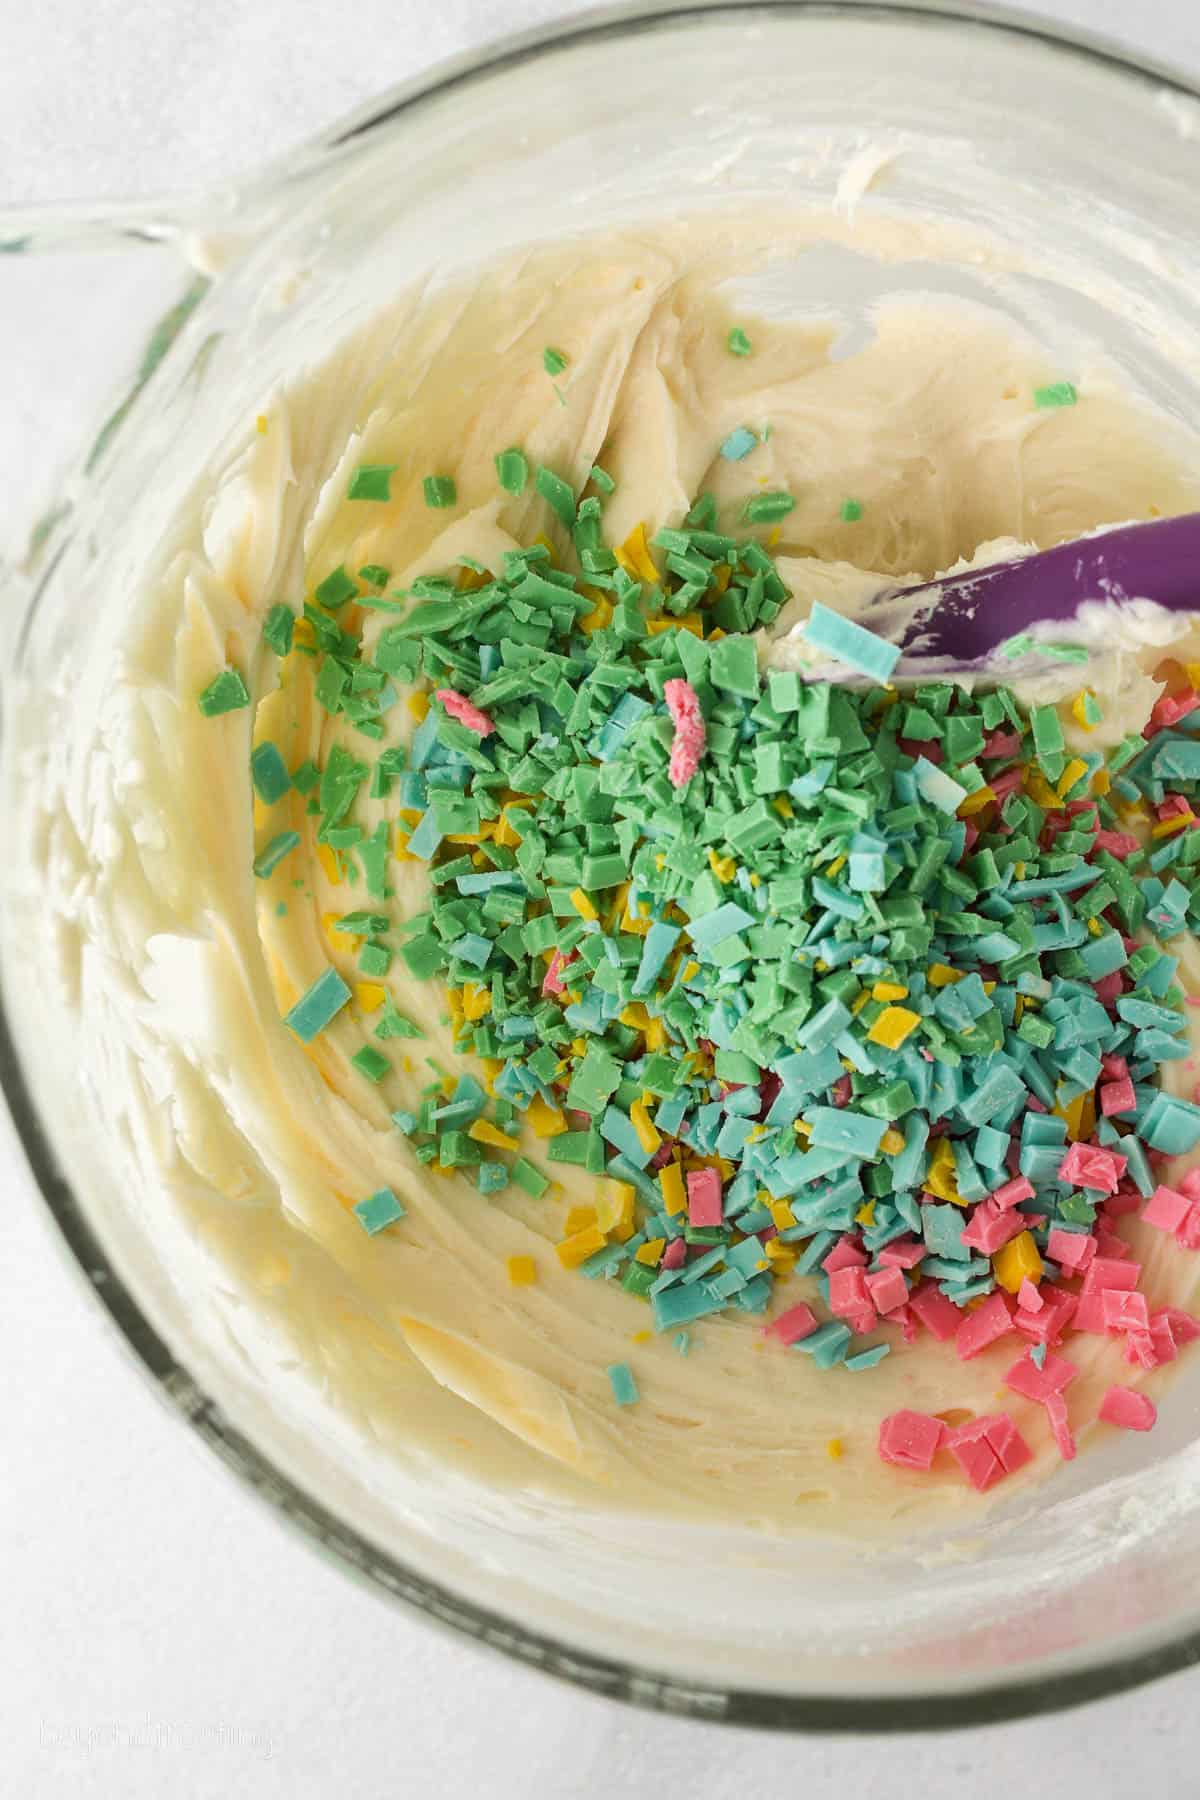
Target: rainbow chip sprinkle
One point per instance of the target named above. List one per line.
(850, 999)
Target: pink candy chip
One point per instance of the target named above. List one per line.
(1110, 1272)
(552, 982)
(1048, 1325)
(1086, 1165)
(460, 708)
(1118, 843)
(1125, 1310)
(1026, 1378)
(704, 1197)
(845, 1254)
(691, 737)
(1089, 1314)
(938, 1315)
(1125, 1200)
(850, 1299)
(1127, 1408)
(910, 1440)
(887, 1289)
(1005, 783)
(987, 1449)
(903, 1253)
(1188, 1234)
(1012, 1193)
(1072, 1250)
(905, 1318)
(1117, 1097)
(1145, 1351)
(1167, 1209)
(1160, 1344)
(796, 1323)
(991, 1227)
(1169, 710)
(1056, 1413)
(984, 1326)
(1183, 1327)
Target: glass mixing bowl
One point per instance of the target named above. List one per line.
(986, 119)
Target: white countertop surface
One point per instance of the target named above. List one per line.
(159, 1632)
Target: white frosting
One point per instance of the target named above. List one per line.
(176, 964)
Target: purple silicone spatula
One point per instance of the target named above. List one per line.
(971, 615)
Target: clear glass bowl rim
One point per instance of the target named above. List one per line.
(991, 1703)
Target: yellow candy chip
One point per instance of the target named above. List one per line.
(476, 1001)
(522, 1271)
(941, 974)
(889, 990)
(547, 1121)
(1079, 708)
(1018, 1261)
(670, 1181)
(633, 922)
(583, 905)
(615, 1209)
(1075, 771)
(940, 1177)
(634, 556)
(327, 856)
(1176, 823)
(484, 1132)
(892, 1026)
(642, 1123)
(975, 802)
(650, 1252)
(599, 617)
(370, 995)
(834, 1448)
(576, 1249)
(1079, 1117)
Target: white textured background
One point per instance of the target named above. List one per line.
(159, 1633)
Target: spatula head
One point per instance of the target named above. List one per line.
(964, 618)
